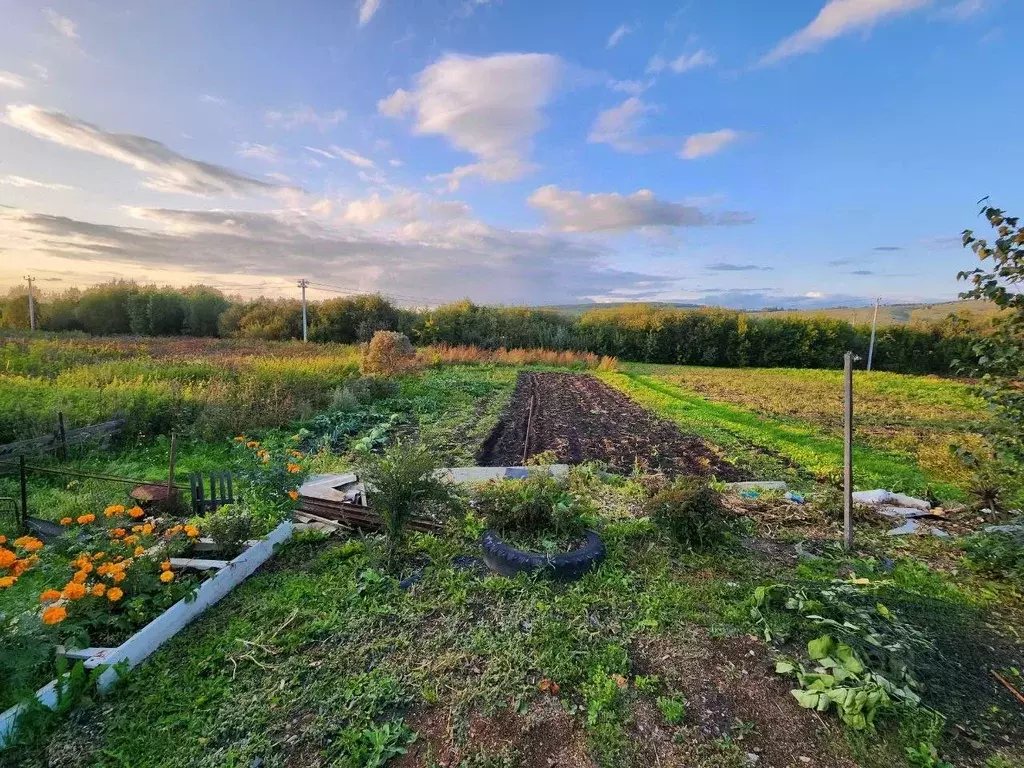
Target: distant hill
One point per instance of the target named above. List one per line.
(891, 314)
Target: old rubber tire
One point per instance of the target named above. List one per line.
(508, 561)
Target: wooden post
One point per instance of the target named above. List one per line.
(24, 490)
(848, 450)
(63, 435)
(170, 471)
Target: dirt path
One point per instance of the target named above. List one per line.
(581, 418)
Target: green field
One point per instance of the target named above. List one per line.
(326, 658)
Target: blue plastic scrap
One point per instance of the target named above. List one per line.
(796, 497)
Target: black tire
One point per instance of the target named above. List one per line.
(508, 561)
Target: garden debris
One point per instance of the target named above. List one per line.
(796, 498)
(881, 496)
(909, 527)
(1008, 687)
(1004, 528)
(758, 485)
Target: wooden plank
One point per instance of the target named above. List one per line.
(359, 516)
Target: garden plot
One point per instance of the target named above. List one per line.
(578, 418)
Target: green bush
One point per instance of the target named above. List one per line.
(534, 504)
(230, 527)
(673, 708)
(691, 513)
(999, 553)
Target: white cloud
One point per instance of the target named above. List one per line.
(620, 32)
(22, 182)
(488, 106)
(696, 60)
(656, 65)
(965, 9)
(166, 169)
(572, 211)
(394, 162)
(439, 260)
(41, 72)
(618, 126)
(814, 295)
(321, 152)
(353, 157)
(632, 87)
(366, 11)
(705, 144)
(837, 18)
(11, 80)
(62, 24)
(302, 116)
(207, 98)
(262, 152)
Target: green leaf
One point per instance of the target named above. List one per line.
(807, 699)
(820, 647)
(785, 667)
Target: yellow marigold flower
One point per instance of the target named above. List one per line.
(294, 468)
(99, 555)
(66, 521)
(86, 519)
(252, 444)
(118, 532)
(191, 531)
(80, 577)
(55, 614)
(131, 540)
(173, 530)
(293, 495)
(167, 577)
(98, 589)
(74, 590)
(136, 529)
(114, 510)
(140, 550)
(7, 558)
(165, 565)
(49, 596)
(135, 512)
(114, 594)
(118, 577)
(147, 529)
(8, 581)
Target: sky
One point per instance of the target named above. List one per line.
(740, 153)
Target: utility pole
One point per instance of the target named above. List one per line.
(874, 324)
(303, 283)
(31, 304)
(848, 450)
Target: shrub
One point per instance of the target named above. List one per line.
(230, 527)
(536, 503)
(400, 482)
(997, 553)
(691, 513)
(368, 389)
(388, 353)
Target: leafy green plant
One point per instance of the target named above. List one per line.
(230, 527)
(999, 553)
(925, 755)
(691, 513)
(534, 504)
(399, 483)
(673, 708)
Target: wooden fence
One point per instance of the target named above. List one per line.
(62, 440)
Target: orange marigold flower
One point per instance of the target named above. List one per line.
(131, 541)
(80, 577)
(55, 614)
(8, 581)
(294, 468)
(66, 521)
(173, 530)
(20, 566)
(165, 565)
(28, 543)
(74, 591)
(114, 594)
(147, 529)
(98, 589)
(252, 444)
(3, 539)
(167, 577)
(191, 531)
(293, 495)
(99, 555)
(140, 550)
(118, 577)
(114, 510)
(86, 565)
(7, 558)
(49, 596)
(118, 532)
(135, 512)
(86, 519)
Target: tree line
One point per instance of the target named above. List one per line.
(635, 332)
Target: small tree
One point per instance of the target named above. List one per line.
(1000, 355)
(398, 483)
(388, 353)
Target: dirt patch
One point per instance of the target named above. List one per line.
(546, 736)
(732, 694)
(579, 418)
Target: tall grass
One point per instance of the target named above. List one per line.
(439, 354)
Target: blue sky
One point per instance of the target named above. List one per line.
(806, 153)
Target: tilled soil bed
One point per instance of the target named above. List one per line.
(580, 418)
